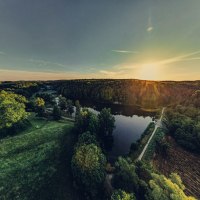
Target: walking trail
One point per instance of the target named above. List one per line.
(157, 125)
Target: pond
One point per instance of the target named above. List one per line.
(130, 123)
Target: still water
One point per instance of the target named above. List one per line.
(130, 123)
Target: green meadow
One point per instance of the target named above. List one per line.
(31, 161)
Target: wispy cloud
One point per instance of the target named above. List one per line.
(168, 61)
(125, 51)
(184, 57)
(46, 63)
(150, 29)
(195, 58)
(108, 73)
(150, 26)
(114, 74)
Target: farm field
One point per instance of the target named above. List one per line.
(35, 162)
(182, 162)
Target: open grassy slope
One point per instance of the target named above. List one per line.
(31, 162)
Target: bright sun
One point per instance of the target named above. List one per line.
(148, 72)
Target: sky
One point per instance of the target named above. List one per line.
(72, 39)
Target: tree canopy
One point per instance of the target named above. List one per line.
(167, 188)
(106, 122)
(12, 109)
(122, 195)
(39, 102)
(88, 167)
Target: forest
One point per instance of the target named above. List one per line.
(147, 94)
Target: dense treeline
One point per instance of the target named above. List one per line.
(25, 88)
(183, 123)
(148, 94)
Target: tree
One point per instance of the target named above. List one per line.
(125, 177)
(122, 195)
(62, 103)
(39, 106)
(46, 97)
(106, 124)
(70, 108)
(86, 138)
(56, 113)
(93, 125)
(167, 188)
(82, 122)
(87, 121)
(78, 107)
(39, 102)
(12, 109)
(41, 111)
(88, 167)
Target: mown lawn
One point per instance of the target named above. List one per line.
(35, 164)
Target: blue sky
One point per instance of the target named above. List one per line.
(67, 39)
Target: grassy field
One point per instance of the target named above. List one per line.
(35, 164)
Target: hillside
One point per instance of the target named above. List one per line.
(31, 162)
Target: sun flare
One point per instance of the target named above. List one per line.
(148, 71)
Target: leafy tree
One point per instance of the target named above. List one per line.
(82, 121)
(125, 177)
(106, 123)
(175, 178)
(167, 188)
(62, 103)
(143, 171)
(70, 108)
(122, 195)
(41, 111)
(12, 109)
(88, 167)
(87, 121)
(56, 113)
(86, 138)
(39, 102)
(93, 125)
(78, 107)
(46, 97)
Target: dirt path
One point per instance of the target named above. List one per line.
(157, 125)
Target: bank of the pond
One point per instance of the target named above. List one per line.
(130, 124)
(138, 146)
